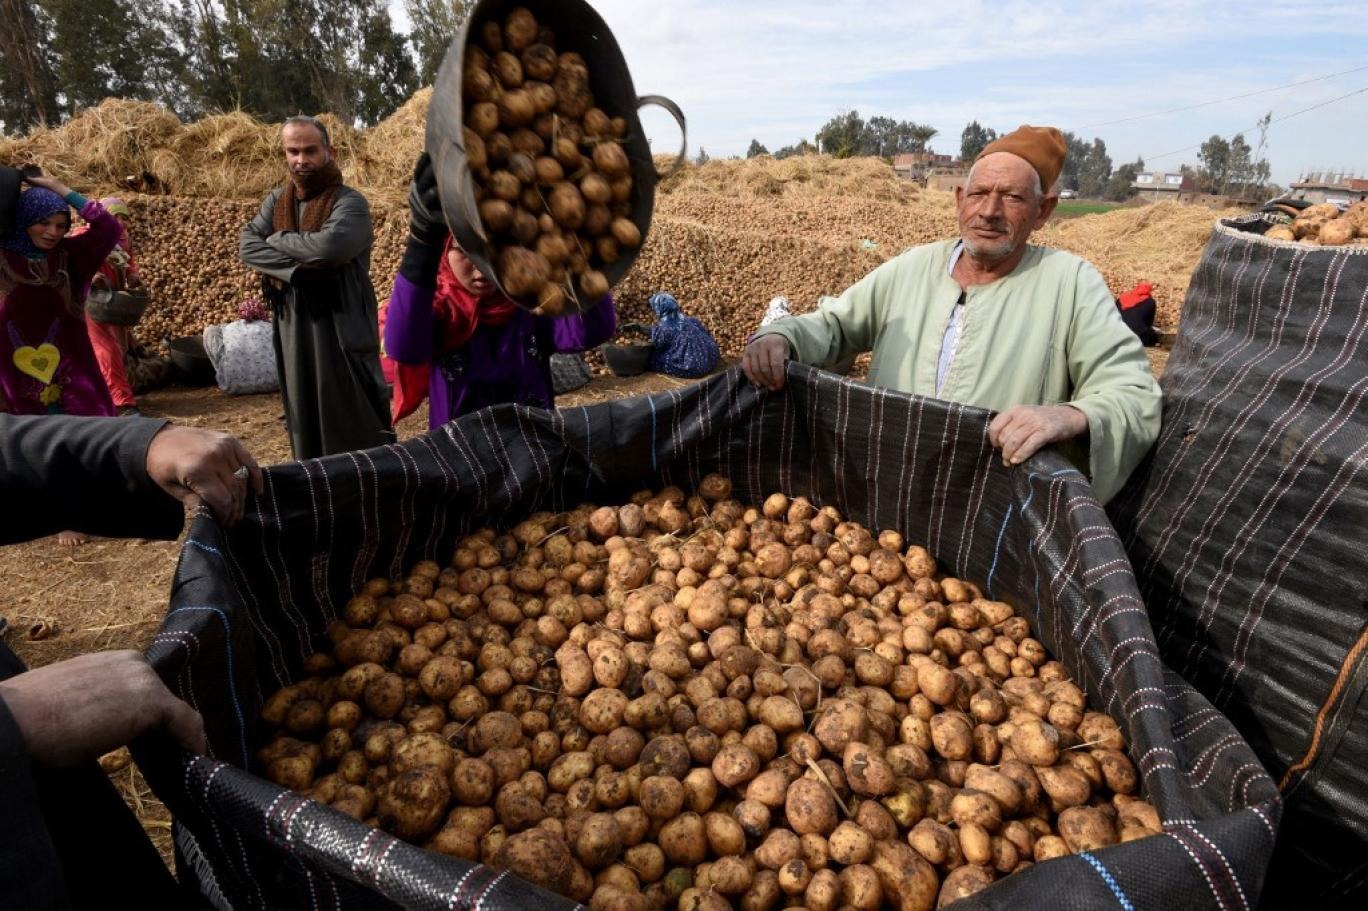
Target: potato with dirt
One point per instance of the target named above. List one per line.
(810, 807)
(752, 705)
(413, 805)
(544, 160)
(539, 856)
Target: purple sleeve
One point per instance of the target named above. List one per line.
(408, 323)
(89, 249)
(586, 330)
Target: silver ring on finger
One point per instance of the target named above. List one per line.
(241, 473)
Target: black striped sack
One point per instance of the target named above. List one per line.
(250, 604)
(1247, 529)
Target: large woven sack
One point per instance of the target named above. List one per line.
(243, 355)
(1247, 529)
(250, 604)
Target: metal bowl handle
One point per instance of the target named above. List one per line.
(673, 110)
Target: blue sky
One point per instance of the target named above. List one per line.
(777, 71)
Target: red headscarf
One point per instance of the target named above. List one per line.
(1136, 295)
(457, 313)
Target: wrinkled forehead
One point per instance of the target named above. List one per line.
(301, 136)
(1004, 171)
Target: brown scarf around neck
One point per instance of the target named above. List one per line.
(318, 190)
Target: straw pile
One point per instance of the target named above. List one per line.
(1159, 243)
(806, 175)
(99, 147)
(231, 155)
(391, 147)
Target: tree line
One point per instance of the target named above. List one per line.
(1227, 167)
(848, 135)
(1231, 168)
(271, 58)
(276, 58)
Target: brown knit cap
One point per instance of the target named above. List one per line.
(1043, 149)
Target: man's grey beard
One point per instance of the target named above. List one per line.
(991, 253)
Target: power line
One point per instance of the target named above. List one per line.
(1270, 123)
(1205, 104)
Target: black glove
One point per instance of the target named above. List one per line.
(426, 221)
(421, 262)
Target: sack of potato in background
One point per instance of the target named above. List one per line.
(253, 606)
(1245, 528)
(1323, 225)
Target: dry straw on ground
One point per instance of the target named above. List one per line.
(1159, 243)
(806, 175)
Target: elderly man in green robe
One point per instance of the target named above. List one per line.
(989, 320)
(311, 242)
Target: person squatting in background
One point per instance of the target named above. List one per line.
(681, 345)
(457, 339)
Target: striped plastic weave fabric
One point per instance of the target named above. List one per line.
(1246, 528)
(250, 604)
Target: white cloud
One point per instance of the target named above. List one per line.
(779, 70)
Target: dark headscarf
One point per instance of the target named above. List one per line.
(35, 204)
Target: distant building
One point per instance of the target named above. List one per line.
(1342, 189)
(1158, 185)
(916, 165)
(946, 178)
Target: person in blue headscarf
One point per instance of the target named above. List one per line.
(683, 346)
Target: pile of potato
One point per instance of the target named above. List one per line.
(1324, 225)
(187, 252)
(552, 179)
(687, 702)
